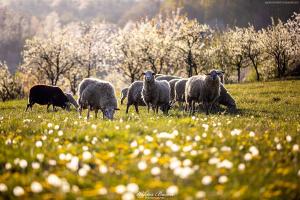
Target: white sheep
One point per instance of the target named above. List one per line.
(98, 95)
(134, 96)
(202, 89)
(167, 77)
(172, 87)
(156, 93)
(180, 91)
(124, 92)
(72, 100)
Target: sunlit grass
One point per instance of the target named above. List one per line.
(251, 155)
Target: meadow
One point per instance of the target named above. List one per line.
(253, 154)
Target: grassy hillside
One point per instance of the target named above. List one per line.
(251, 155)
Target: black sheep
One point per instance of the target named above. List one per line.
(47, 95)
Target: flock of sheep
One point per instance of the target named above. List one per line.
(156, 91)
(163, 91)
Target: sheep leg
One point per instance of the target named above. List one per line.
(96, 113)
(88, 112)
(206, 106)
(48, 105)
(53, 108)
(156, 109)
(127, 109)
(29, 106)
(80, 111)
(153, 108)
(136, 108)
(148, 105)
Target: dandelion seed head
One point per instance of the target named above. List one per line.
(172, 190)
(36, 187)
(18, 191)
(39, 144)
(206, 180)
(3, 187)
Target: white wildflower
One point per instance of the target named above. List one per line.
(132, 187)
(248, 156)
(172, 190)
(206, 180)
(3, 187)
(103, 169)
(128, 196)
(35, 165)
(142, 165)
(36, 187)
(288, 138)
(295, 147)
(223, 179)
(60, 133)
(23, 163)
(86, 155)
(225, 164)
(52, 162)
(251, 134)
(236, 132)
(120, 189)
(38, 143)
(278, 146)
(254, 151)
(200, 195)
(54, 180)
(133, 144)
(241, 167)
(50, 125)
(102, 191)
(213, 161)
(155, 171)
(8, 166)
(18, 191)
(73, 164)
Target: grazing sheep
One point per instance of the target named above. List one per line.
(47, 95)
(221, 75)
(226, 99)
(134, 96)
(124, 92)
(72, 100)
(172, 87)
(167, 78)
(158, 75)
(180, 91)
(84, 83)
(156, 93)
(98, 95)
(202, 88)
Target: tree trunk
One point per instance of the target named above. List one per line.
(239, 73)
(257, 73)
(190, 70)
(132, 76)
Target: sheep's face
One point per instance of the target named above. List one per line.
(67, 106)
(149, 76)
(214, 74)
(109, 112)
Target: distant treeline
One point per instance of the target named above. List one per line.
(21, 19)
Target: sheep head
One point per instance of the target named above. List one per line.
(109, 112)
(214, 75)
(149, 76)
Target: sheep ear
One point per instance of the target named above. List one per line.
(117, 108)
(207, 74)
(143, 73)
(153, 73)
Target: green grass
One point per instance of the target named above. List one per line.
(271, 110)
